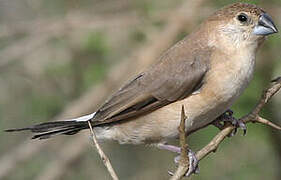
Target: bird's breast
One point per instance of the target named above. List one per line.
(231, 77)
(224, 83)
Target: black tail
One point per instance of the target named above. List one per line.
(49, 129)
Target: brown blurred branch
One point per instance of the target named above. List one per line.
(127, 68)
(27, 149)
(253, 117)
(38, 36)
(71, 150)
(72, 20)
(103, 156)
(22, 47)
(76, 145)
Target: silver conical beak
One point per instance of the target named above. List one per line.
(265, 26)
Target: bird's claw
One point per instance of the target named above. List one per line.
(228, 117)
(238, 124)
(193, 163)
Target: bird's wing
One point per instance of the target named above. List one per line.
(178, 73)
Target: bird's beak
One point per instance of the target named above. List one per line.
(265, 26)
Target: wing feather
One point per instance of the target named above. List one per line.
(175, 76)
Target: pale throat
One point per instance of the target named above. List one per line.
(239, 65)
(231, 38)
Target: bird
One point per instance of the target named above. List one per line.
(205, 72)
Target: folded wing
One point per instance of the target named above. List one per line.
(177, 74)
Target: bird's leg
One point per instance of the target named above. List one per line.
(227, 116)
(193, 162)
(171, 148)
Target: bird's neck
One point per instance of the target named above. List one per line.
(235, 43)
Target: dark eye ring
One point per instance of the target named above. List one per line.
(242, 17)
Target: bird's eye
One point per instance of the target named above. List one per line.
(242, 17)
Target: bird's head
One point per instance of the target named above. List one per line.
(242, 24)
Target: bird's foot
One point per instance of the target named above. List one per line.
(193, 161)
(228, 117)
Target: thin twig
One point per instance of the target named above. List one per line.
(267, 122)
(212, 146)
(251, 117)
(214, 143)
(104, 158)
(184, 161)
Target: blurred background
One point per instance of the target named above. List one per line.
(60, 59)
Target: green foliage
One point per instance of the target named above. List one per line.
(181, 35)
(40, 106)
(94, 52)
(33, 168)
(58, 71)
(159, 24)
(96, 44)
(145, 7)
(138, 36)
(93, 74)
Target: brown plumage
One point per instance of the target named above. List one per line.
(233, 9)
(206, 72)
(177, 74)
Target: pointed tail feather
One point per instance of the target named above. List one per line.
(49, 129)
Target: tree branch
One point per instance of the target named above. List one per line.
(104, 158)
(184, 161)
(267, 122)
(253, 116)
